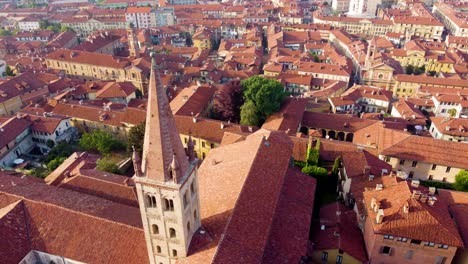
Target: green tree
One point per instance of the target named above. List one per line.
(101, 141)
(53, 164)
(419, 70)
(9, 71)
(249, 114)
(336, 165)
(4, 32)
(43, 24)
(313, 154)
(61, 149)
(316, 58)
(409, 69)
(452, 112)
(54, 27)
(461, 181)
(136, 136)
(321, 174)
(265, 94)
(65, 28)
(104, 165)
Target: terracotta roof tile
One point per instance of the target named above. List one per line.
(288, 118)
(292, 219)
(31, 189)
(89, 58)
(433, 222)
(12, 128)
(208, 129)
(192, 100)
(429, 150)
(341, 231)
(335, 122)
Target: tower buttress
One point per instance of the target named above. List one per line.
(168, 186)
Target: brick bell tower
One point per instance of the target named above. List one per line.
(166, 184)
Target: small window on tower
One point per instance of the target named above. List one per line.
(192, 188)
(174, 253)
(172, 232)
(158, 249)
(168, 204)
(185, 200)
(155, 229)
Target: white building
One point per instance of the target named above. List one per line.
(141, 17)
(181, 2)
(340, 5)
(29, 24)
(21, 133)
(164, 16)
(451, 129)
(453, 105)
(363, 8)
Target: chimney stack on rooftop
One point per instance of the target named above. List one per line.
(380, 216)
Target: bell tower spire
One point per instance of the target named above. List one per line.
(133, 48)
(168, 186)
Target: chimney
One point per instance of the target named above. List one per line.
(371, 177)
(423, 198)
(379, 187)
(416, 195)
(222, 125)
(431, 200)
(432, 190)
(373, 203)
(380, 216)
(406, 207)
(415, 183)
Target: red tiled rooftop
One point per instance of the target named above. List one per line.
(434, 223)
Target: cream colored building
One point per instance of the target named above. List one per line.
(353, 25)
(426, 158)
(455, 21)
(423, 27)
(95, 66)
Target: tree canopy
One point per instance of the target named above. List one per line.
(228, 102)
(101, 141)
(265, 94)
(136, 136)
(249, 114)
(461, 181)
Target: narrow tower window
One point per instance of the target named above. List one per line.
(172, 232)
(155, 229)
(168, 204)
(174, 253)
(151, 200)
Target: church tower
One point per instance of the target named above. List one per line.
(167, 187)
(133, 47)
(371, 53)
